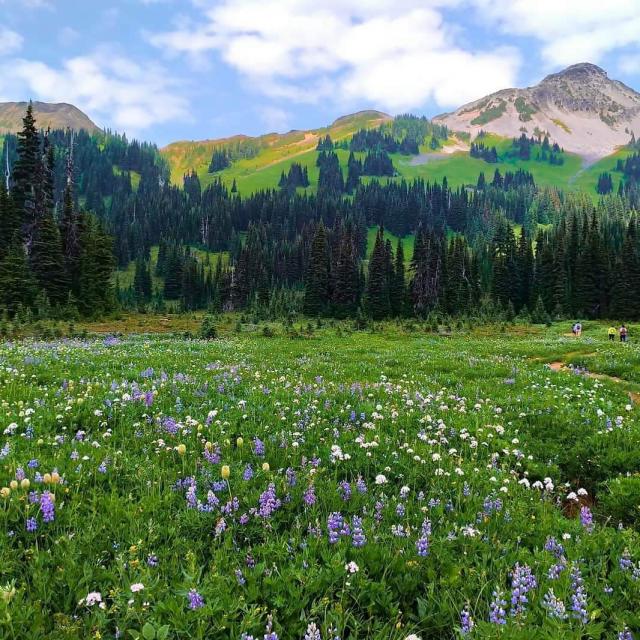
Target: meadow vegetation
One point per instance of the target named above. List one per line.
(292, 479)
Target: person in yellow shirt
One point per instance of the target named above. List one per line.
(612, 334)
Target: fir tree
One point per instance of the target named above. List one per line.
(317, 278)
(397, 291)
(377, 293)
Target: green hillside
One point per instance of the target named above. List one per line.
(274, 153)
(272, 149)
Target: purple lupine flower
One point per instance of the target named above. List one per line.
(248, 473)
(523, 581)
(291, 477)
(47, 507)
(556, 569)
(422, 543)
(334, 524)
(466, 621)
(466, 490)
(554, 546)
(212, 456)
(497, 608)
(190, 496)
(33, 464)
(625, 634)
(345, 489)
(240, 577)
(400, 510)
(554, 606)
(579, 596)
(20, 475)
(358, 539)
(258, 447)
(31, 525)
(250, 561)
(148, 398)
(310, 496)
(268, 502)
(361, 485)
(196, 601)
(152, 560)
(378, 515)
(586, 519)
(312, 633)
(270, 634)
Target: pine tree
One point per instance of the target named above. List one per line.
(377, 293)
(142, 283)
(346, 283)
(317, 278)
(47, 260)
(17, 285)
(25, 168)
(96, 267)
(397, 292)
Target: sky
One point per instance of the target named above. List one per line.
(166, 70)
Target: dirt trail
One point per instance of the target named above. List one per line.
(559, 365)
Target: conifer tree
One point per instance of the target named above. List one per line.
(397, 292)
(17, 285)
(377, 294)
(47, 260)
(346, 281)
(317, 278)
(26, 168)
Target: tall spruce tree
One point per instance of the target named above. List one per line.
(397, 293)
(378, 303)
(318, 275)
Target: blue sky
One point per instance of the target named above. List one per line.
(165, 70)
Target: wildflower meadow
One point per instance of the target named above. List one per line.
(336, 486)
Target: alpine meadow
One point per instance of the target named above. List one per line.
(377, 379)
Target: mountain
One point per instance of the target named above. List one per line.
(47, 115)
(581, 109)
(258, 154)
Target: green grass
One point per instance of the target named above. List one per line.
(449, 457)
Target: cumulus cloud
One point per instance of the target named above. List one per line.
(10, 41)
(396, 54)
(570, 30)
(116, 91)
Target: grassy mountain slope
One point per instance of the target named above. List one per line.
(452, 160)
(274, 149)
(47, 115)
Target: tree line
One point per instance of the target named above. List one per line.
(54, 257)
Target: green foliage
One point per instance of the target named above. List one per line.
(490, 113)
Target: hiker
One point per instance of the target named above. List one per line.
(578, 329)
(623, 333)
(612, 334)
(574, 329)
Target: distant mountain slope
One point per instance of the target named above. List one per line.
(581, 108)
(48, 115)
(265, 150)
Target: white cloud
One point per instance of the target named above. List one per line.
(275, 119)
(570, 30)
(115, 91)
(395, 54)
(10, 41)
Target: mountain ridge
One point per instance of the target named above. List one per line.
(59, 115)
(580, 107)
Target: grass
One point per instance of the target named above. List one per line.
(373, 483)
